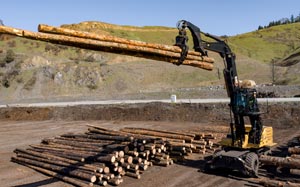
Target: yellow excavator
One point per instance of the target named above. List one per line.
(244, 142)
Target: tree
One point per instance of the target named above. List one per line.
(1, 22)
(10, 56)
(260, 27)
(292, 18)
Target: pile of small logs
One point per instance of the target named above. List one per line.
(290, 162)
(179, 144)
(103, 156)
(112, 44)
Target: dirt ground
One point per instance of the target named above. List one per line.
(20, 134)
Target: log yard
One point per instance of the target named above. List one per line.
(98, 104)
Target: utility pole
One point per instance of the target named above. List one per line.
(273, 71)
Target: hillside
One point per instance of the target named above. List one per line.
(267, 44)
(33, 70)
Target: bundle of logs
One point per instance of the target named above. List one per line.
(102, 156)
(291, 163)
(112, 44)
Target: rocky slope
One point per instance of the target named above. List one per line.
(33, 70)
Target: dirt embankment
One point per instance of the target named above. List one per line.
(277, 114)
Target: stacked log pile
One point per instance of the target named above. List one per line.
(112, 44)
(289, 163)
(103, 156)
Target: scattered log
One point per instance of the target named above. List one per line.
(279, 161)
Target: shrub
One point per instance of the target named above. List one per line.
(2, 63)
(10, 56)
(30, 83)
(12, 44)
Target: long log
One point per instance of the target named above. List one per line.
(162, 131)
(294, 150)
(144, 52)
(66, 147)
(83, 154)
(70, 180)
(133, 175)
(99, 131)
(295, 171)
(114, 181)
(54, 162)
(279, 161)
(295, 156)
(91, 145)
(78, 139)
(76, 173)
(106, 159)
(53, 157)
(87, 35)
(276, 183)
(60, 154)
(158, 134)
(100, 137)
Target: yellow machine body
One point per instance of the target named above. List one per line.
(265, 141)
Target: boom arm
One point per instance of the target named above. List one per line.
(242, 100)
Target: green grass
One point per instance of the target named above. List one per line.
(262, 45)
(267, 44)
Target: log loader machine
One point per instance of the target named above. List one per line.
(244, 142)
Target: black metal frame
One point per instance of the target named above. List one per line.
(234, 91)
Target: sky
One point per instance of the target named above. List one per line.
(218, 17)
